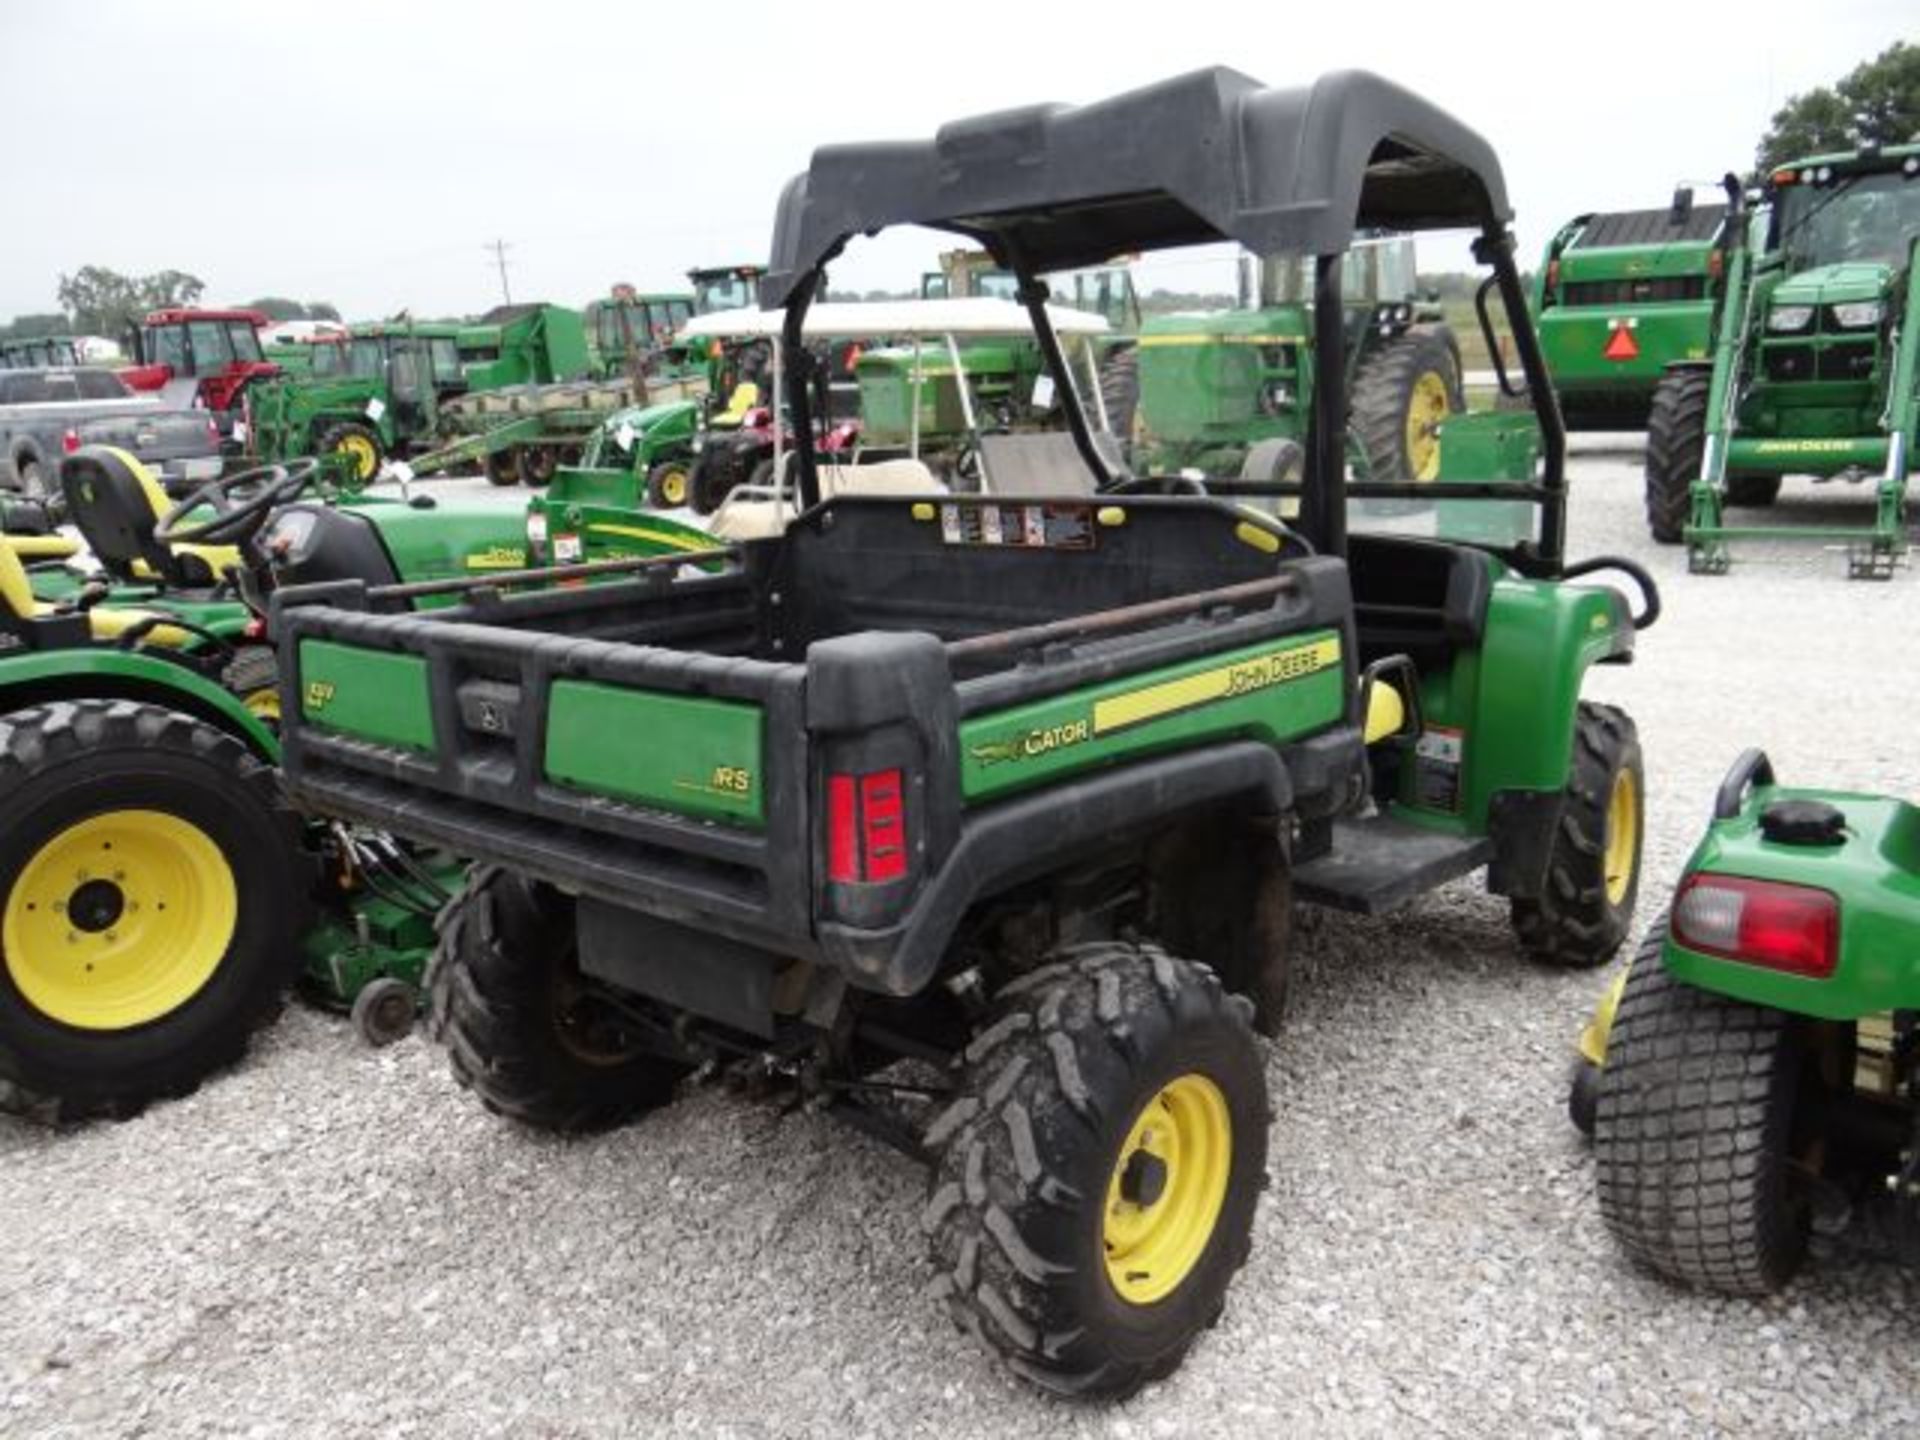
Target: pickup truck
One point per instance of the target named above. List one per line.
(47, 413)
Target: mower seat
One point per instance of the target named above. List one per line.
(106, 622)
(745, 397)
(115, 502)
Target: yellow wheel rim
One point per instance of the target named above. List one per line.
(1429, 405)
(673, 487)
(119, 919)
(263, 704)
(360, 450)
(1623, 836)
(1168, 1185)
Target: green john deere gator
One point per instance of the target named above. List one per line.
(1619, 297)
(1230, 392)
(1815, 369)
(1757, 1064)
(1022, 787)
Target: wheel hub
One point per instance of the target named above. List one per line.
(1168, 1187)
(95, 905)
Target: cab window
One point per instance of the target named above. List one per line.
(210, 346)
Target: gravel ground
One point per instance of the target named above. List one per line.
(333, 1240)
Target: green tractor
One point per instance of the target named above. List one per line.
(377, 393)
(628, 331)
(1022, 787)
(1230, 392)
(1759, 1062)
(1815, 368)
(1621, 296)
(725, 287)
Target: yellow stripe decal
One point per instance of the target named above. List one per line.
(640, 532)
(1257, 672)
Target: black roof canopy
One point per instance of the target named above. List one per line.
(1207, 156)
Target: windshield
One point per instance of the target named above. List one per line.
(367, 357)
(445, 356)
(724, 292)
(1857, 217)
(243, 341)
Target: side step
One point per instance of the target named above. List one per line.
(1381, 862)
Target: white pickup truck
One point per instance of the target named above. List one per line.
(50, 412)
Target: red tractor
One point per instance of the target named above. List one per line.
(201, 357)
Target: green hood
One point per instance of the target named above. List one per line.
(1835, 284)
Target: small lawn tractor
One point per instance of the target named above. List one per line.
(1760, 1059)
(1019, 789)
(1815, 369)
(1621, 296)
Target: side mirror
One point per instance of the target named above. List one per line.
(1682, 208)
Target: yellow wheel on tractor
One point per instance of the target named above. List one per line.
(669, 485)
(1095, 1174)
(358, 445)
(1402, 394)
(151, 894)
(1428, 406)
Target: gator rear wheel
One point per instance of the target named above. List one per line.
(1585, 907)
(358, 444)
(669, 485)
(1694, 1133)
(522, 1027)
(1676, 446)
(151, 892)
(1402, 394)
(1096, 1175)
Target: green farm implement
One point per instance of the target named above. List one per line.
(1229, 393)
(1620, 297)
(1815, 370)
(1758, 1063)
(628, 332)
(1022, 786)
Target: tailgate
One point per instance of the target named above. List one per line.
(634, 773)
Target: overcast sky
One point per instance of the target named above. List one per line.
(367, 153)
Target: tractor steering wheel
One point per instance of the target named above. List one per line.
(241, 503)
(1158, 485)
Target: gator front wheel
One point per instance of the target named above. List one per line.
(150, 895)
(1096, 1175)
(523, 1029)
(1585, 906)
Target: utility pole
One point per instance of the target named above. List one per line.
(499, 249)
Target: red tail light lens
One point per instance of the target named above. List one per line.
(866, 828)
(70, 441)
(1794, 929)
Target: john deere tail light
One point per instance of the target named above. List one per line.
(866, 828)
(1794, 929)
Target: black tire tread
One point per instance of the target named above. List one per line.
(1693, 1120)
(1676, 443)
(1382, 390)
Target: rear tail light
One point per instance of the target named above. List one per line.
(1794, 929)
(866, 828)
(70, 441)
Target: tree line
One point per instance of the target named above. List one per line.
(96, 300)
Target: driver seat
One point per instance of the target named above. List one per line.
(115, 502)
(104, 622)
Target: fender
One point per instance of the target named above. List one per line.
(35, 678)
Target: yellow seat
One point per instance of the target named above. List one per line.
(41, 547)
(745, 397)
(218, 558)
(115, 502)
(107, 622)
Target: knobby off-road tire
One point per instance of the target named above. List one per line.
(669, 485)
(152, 895)
(503, 467)
(521, 1031)
(362, 442)
(1583, 912)
(1028, 1167)
(1401, 378)
(1676, 446)
(1693, 1133)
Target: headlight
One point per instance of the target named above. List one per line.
(1786, 319)
(1857, 315)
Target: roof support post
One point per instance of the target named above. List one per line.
(1323, 504)
(1033, 294)
(1494, 247)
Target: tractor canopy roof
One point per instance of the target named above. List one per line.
(1866, 161)
(1207, 156)
(976, 316)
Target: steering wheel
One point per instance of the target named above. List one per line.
(241, 503)
(1158, 485)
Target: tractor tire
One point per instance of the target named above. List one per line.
(1064, 1236)
(538, 464)
(1694, 1133)
(117, 811)
(503, 467)
(1120, 390)
(360, 443)
(1585, 907)
(1676, 445)
(505, 997)
(33, 479)
(1753, 492)
(711, 483)
(253, 678)
(669, 485)
(1400, 395)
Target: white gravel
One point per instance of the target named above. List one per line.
(336, 1241)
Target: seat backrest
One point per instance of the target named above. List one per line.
(745, 397)
(116, 503)
(1039, 463)
(879, 477)
(16, 590)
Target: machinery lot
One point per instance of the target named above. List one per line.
(336, 1239)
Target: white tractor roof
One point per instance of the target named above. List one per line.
(979, 315)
